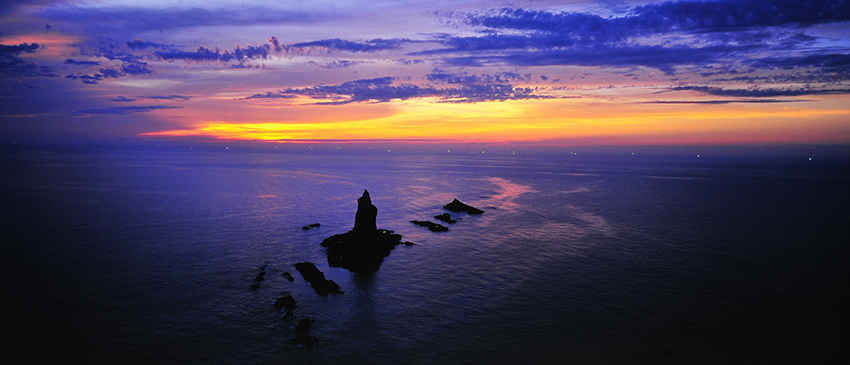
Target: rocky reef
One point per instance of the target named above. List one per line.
(433, 227)
(363, 248)
(317, 279)
(457, 206)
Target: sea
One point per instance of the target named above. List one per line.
(148, 255)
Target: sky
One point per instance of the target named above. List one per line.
(572, 72)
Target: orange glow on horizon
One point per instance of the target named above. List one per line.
(534, 120)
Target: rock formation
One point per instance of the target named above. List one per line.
(364, 247)
(446, 217)
(317, 279)
(457, 206)
(433, 227)
(367, 213)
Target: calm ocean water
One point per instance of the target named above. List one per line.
(147, 255)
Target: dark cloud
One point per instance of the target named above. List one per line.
(682, 16)
(168, 97)
(826, 62)
(203, 54)
(71, 61)
(383, 89)
(466, 78)
(662, 58)
(11, 64)
(334, 64)
(342, 45)
(140, 44)
(131, 68)
(133, 20)
(761, 92)
(695, 33)
(125, 110)
(122, 99)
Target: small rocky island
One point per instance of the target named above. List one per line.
(458, 206)
(363, 248)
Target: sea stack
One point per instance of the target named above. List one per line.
(367, 213)
(363, 248)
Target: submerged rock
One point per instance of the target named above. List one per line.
(433, 227)
(317, 279)
(458, 206)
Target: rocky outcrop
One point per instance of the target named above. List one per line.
(445, 217)
(285, 302)
(457, 206)
(433, 227)
(305, 340)
(367, 213)
(360, 251)
(317, 279)
(304, 325)
(363, 248)
(312, 225)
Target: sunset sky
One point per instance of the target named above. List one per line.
(572, 72)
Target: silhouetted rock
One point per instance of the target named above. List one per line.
(312, 225)
(304, 325)
(457, 206)
(364, 247)
(305, 341)
(286, 302)
(433, 227)
(364, 218)
(317, 279)
(360, 251)
(288, 276)
(446, 217)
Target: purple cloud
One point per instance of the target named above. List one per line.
(383, 89)
(125, 110)
(762, 92)
(11, 64)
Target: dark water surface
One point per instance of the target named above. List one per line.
(147, 255)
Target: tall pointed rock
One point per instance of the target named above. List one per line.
(364, 219)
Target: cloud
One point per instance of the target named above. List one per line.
(670, 16)
(122, 99)
(140, 44)
(466, 78)
(336, 44)
(384, 89)
(11, 64)
(132, 68)
(71, 61)
(761, 92)
(722, 102)
(827, 62)
(662, 36)
(168, 97)
(662, 58)
(125, 110)
(134, 20)
(334, 64)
